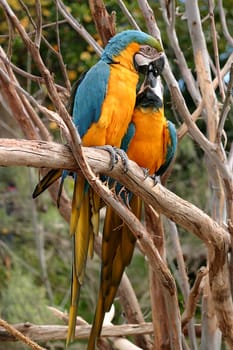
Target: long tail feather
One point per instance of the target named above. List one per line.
(95, 201)
(117, 250)
(75, 294)
(78, 193)
(47, 181)
(97, 323)
(82, 231)
(82, 238)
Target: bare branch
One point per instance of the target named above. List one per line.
(183, 128)
(226, 106)
(209, 148)
(193, 297)
(184, 283)
(224, 23)
(65, 317)
(9, 79)
(168, 11)
(150, 19)
(128, 14)
(14, 101)
(180, 259)
(78, 27)
(202, 67)
(27, 75)
(54, 332)
(230, 157)
(38, 24)
(215, 45)
(105, 23)
(19, 335)
(60, 58)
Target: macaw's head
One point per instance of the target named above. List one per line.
(129, 48)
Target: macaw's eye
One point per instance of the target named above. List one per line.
(148, 51)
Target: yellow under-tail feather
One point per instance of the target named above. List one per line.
(95, 202)
(117, 250)
(82, 237)
(78, 194)
(75, 293)
(84, 224)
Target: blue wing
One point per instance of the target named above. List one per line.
(128, 137)
(171, 148)
(89, 97)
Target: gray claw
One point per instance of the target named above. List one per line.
(155, 178)
(124, 158)
(145, 172)
(112, 153)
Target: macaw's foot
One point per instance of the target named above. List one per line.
(114, 153)
(156, 179)
(124, 158)
(145, 173)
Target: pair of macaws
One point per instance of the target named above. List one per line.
(108, 111)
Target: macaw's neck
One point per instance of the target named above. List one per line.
(155, 113)
(125, 58)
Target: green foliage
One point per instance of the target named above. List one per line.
(21, 301)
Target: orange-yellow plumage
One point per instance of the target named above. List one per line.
(148, 146)
(117, 108)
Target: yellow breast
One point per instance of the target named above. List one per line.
(148, 146)
(117, 108)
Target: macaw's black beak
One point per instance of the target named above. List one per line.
(151, 90)
(150, 77)
(147, 98)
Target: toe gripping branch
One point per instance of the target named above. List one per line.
(114, 152)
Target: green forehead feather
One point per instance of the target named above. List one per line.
(155, 43)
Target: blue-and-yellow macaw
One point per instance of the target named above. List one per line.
(102, 110)
(151, 142)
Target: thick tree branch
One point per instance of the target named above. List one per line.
(105, 23)
(52, 155)
(202, 66)
(18, 334)
(54, 332)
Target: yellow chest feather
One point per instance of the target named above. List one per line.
(149, 144)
